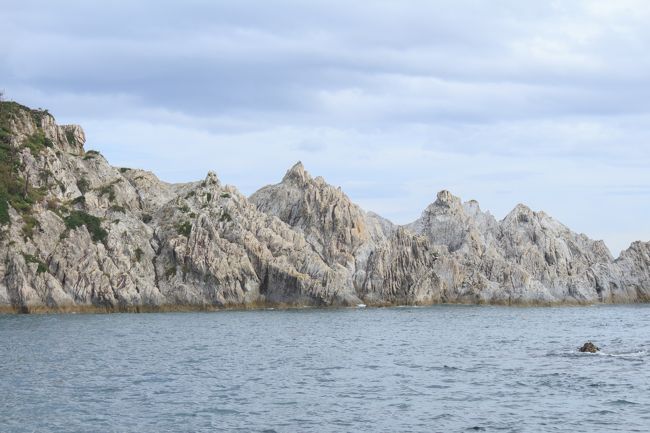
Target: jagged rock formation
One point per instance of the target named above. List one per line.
(386, 264)
(79, 234)
(89, 235)
(528, 257)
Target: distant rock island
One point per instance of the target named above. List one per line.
(77, 234)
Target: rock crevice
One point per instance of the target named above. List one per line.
(79, 234)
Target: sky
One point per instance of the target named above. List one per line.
(505, 102)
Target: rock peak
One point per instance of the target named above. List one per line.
(211, 178)
(521, 209)
(297, 172)
(446, 198)
(129, 240)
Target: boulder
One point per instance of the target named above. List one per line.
(589, 347)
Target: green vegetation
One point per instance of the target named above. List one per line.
(69, 135)
(29, 224)
(60, 184)
(44, 176)
(4, 209)
(90, 154)
(184, 208)
(79, 200)
(92, 223)
(42, 267)
(225, 217)
(38, 115)
(5, 136)
(170, 272)
(15, 191)
(107, 190)
(60, 209)
(208, 197)
(24, 200)
(184, 229)
(117, 208)
(138, 254)
(124, 169)
(225, 195)
(83, 185)
(37, 142)
(12, 109)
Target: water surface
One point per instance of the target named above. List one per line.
(443, 368)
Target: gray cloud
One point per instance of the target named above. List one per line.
(503, 101)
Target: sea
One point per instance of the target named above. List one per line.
(403, 369)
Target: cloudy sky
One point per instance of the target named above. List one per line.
(545, 103)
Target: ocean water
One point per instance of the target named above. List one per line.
(434, 369)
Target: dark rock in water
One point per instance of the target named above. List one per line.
(589, 347)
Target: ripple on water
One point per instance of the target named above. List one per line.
(621, 402)
(427, 369)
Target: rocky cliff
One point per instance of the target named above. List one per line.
(79, 234)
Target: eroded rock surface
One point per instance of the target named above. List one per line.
(527, 257)
(77, 233)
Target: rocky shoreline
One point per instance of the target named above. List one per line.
(78, 235)
(153, 309)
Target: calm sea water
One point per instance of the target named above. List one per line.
(445, 368)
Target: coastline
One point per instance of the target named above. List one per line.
(80, 235)
(261, 306)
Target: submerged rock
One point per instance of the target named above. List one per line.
(589, 347)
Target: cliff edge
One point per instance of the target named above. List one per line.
(77, 234)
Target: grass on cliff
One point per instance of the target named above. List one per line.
(92, 223)
(41, 266)
(108, 190)
(15, 191)
(4, 210)
(69, 135)
(37, 142)
(184, 229)
(90, 154)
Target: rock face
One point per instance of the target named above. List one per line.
(89, 235)
(384, 264)
(528, 257)
(79, 234)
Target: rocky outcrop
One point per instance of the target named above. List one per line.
(527, 257)
(626, 279)
(588, 347)
(79, 234)
(385, 264)
(99, 237)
